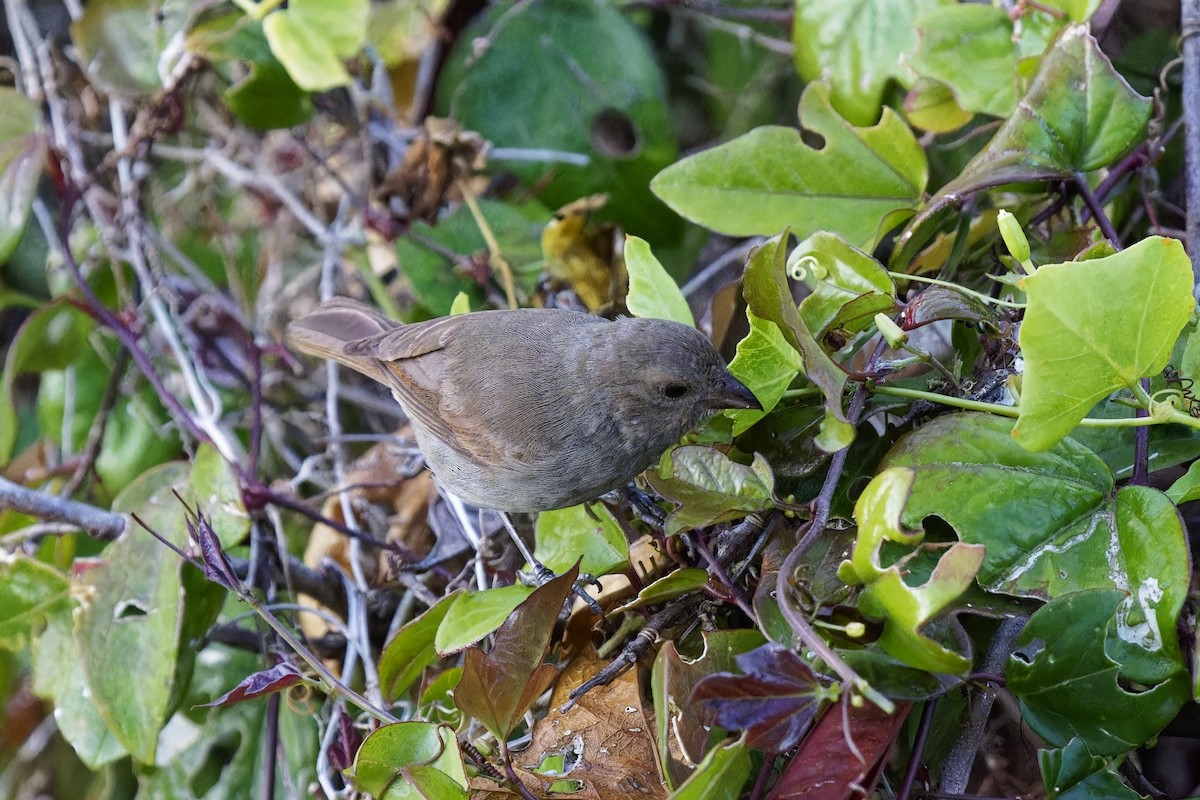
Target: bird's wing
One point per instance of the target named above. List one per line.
(326, 332)
(412, 359)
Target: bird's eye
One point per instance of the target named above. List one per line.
(674, 391)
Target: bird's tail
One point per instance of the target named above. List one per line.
(326, 331)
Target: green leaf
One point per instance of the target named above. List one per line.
(1170, 445)
(121, 42)
(437, 276)
(22, 154)
(981, 35)
(410, 761)
(136, 616)
(674, 584)
(311, 38)
(1079, 115)
(708, 487)
(930, 106)
(268, 98)
(51, 338)
(769, 296)
(1095, 326)
(905, 609)
(214, 490)
(461, 304)
(30, 592)
(590, 88)
(766, 364)
(1070, 686)
(411, 650)
(860, 184)
(476, 614)
(720, 776)
(848, 286)
(1074, 773)
(566, 535)
(858, 45)
(219, 752)
(58, 677)
(138, 437)
(1187, 486)
(653, 293)
(1046, 519)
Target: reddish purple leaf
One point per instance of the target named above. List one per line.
(344, 747)
(260, 684)
(497, 687)
(213, 563)
(774, 702)
(825, 768)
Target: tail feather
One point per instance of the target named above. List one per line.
(326, 331)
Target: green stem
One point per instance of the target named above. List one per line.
(327, 679)
(1143, 397)
(947, 400)
(1176, 416)
(797, 394)
(980, 296)
(1013, 411)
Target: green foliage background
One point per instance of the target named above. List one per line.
(940, 241)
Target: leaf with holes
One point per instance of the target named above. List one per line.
(1071, 683)
(905, 609)
(860, 184)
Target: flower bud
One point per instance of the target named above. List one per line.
(891, 331)
(1014, 237)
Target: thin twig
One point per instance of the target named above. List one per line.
(94, 521)
(495, 256)
(95, 438)
(783, 581)
(918, 750)
(60, 239)
(1190, 27)
(1089, 197)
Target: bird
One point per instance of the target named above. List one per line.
(530, 410)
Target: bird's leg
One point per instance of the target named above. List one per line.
(542, 574)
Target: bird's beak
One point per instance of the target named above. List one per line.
(732, 393)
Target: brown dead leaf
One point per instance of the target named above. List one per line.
(441, 154)
(386, 476)
(606, 739)
(584, 257)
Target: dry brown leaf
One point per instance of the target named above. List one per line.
(606, 739)
(386, 475)
(584, 257)
(441, 154)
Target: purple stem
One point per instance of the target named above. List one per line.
(918, 750)
(124, 333)
(1089, 197)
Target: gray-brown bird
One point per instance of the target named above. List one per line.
(532, 409)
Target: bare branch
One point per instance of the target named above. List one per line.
(1190, 26)
(94, 521)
